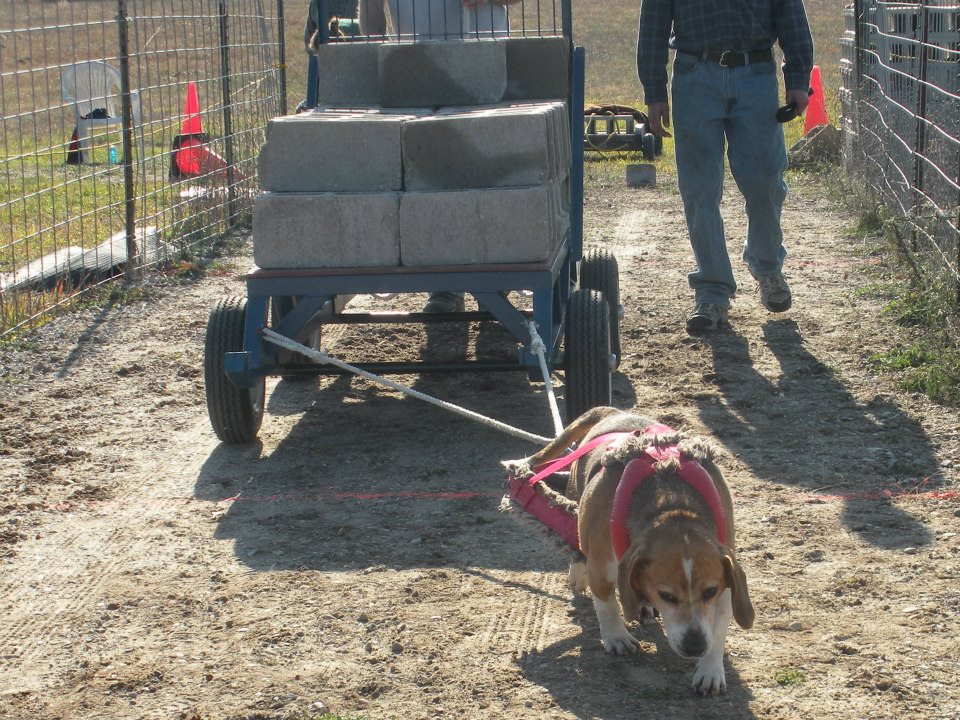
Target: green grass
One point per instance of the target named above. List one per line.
(923, 356)
(787, 677)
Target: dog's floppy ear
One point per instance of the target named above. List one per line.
(737, 582)
(628, 581)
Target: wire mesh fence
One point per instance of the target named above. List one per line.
(130, 131)
(900, 72)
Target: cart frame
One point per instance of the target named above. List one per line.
(296, 303)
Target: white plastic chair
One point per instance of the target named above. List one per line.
(95, 84)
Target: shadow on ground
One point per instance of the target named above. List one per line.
(583, 680)
(367, 478)
(782, 429)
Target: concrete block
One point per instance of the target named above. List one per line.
(348, 74)
(641, 174)
(333, 151)
(325, 230)
(485, 147)
(435, 73)
(538, 68)
(476, 227)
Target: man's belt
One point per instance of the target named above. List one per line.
(729, 58)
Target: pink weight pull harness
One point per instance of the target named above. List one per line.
(564, 523)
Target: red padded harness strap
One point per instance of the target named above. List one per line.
(556, 518)
(640, 468)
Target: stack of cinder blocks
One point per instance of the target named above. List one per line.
(433, 153)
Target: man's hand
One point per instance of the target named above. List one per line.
(800, 98)
(658, 114)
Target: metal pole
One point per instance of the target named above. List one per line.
(921, 139)
(282, 51)
(227, 113)
(130, 200)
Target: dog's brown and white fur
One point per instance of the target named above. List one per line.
(674, 562)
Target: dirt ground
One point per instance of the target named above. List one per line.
(356, 559)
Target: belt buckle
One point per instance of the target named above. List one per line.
(724, 58)
(727, 56)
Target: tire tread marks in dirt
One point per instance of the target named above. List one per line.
(527, 624)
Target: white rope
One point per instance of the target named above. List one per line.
(537, 346)
(320, 356)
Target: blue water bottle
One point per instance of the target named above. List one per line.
(112, 155)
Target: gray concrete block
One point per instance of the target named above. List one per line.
(436, 73)
(333, 151)
(538, 68)
(326, 230)
(485, 147)
(470, 227)
(348, 74)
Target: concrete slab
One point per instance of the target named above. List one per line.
(333, 151)
(465, 227)
(325, 230)
(437, 73)
(485, 147)
(348, 74)
(538, 68)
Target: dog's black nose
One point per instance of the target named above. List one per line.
(694, 643)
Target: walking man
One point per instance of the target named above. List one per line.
(724, 92)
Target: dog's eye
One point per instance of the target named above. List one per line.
(709, 593)
(667, 597)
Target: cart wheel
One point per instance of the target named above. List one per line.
(649, 146)
(599, 271)
(587, 344)
(235, 413)
(280, 306)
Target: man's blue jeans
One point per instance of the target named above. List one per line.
(714, 106)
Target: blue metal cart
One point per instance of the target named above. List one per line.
(575, 306)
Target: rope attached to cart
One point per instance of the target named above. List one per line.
(322, 357)
(537, 347)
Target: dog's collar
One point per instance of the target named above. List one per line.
(643, 467)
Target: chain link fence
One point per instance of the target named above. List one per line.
(900, 94)
(129, 136)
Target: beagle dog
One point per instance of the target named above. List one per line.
(676, 541)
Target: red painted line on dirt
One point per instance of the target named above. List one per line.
(890, 494)
(338, 495)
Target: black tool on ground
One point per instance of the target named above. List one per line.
(789, 112)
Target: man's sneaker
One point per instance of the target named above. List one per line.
(444, 302)
(706, 316)
(774, 292)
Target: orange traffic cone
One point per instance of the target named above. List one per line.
(816, 114)
(189, 143)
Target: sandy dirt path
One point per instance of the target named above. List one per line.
(356, 559)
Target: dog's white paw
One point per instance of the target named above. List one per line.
(620, 643)
(709, 677)
(577, 577)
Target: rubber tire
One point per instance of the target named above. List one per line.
(587, 357)
(235, 413)
(280, 306)
(599, 271)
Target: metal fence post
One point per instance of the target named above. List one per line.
(227, 113)
(282, 52)
(130, 200)
(921, 137)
